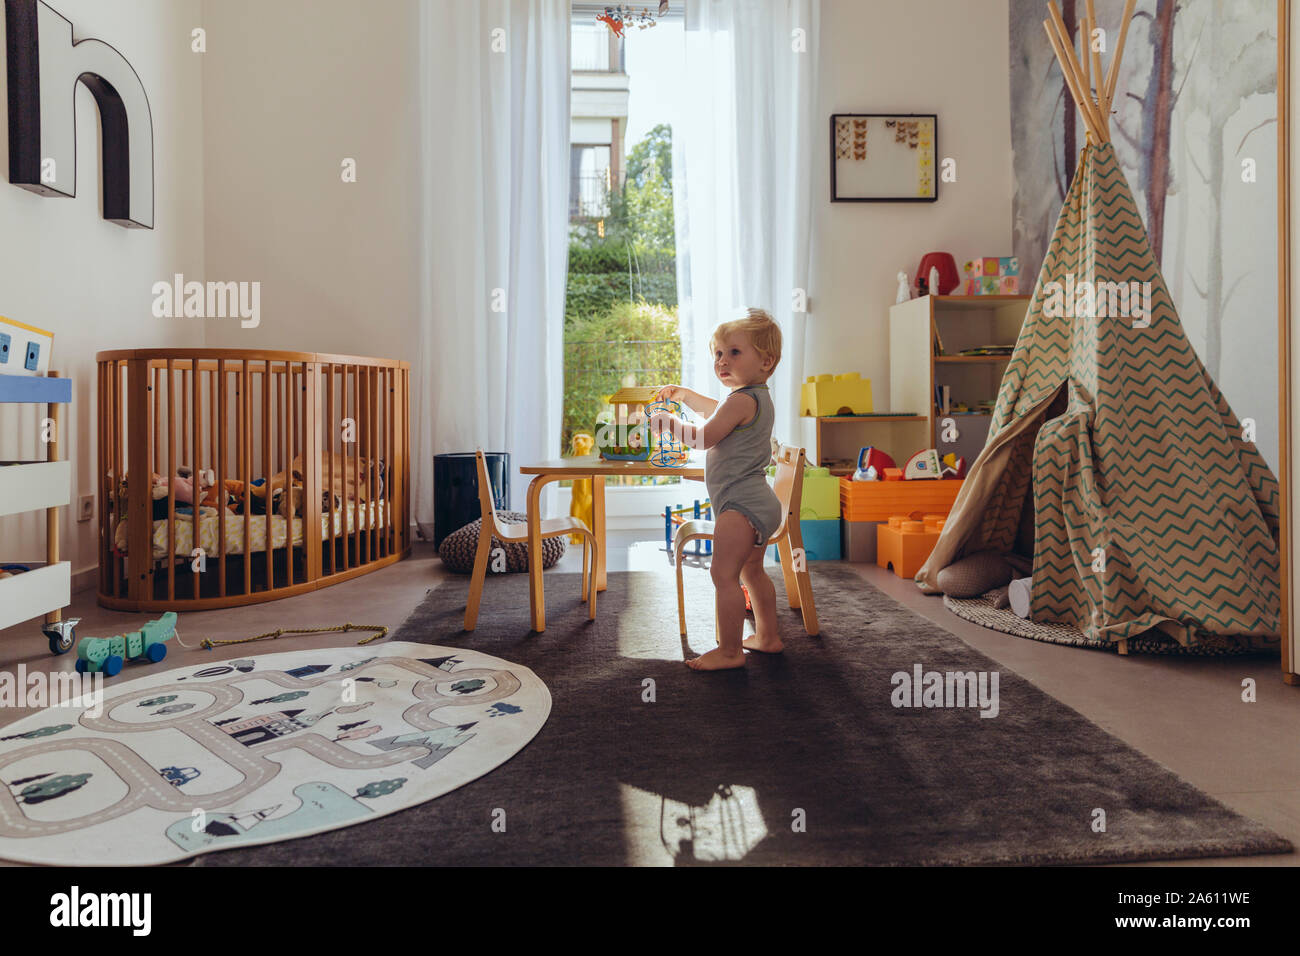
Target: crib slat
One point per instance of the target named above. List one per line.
(406, 459)
(266, 468)
(245, 405)
(221, 477)
(139, 547)
(210, 378)
(196, 432)
(101, 472)
(118, 504)
(153, 415)
(356, 465)
(393, 442)
(329, 433)
(170, 474)
(313, 563)
(285, 457)
(381, 518)
(376, 441)
(371, 465)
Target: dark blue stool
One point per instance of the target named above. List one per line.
(455, 489)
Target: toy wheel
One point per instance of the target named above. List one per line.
(81, 666)
(157, 652)
(112, 665)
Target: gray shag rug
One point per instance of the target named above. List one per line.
(797, 759)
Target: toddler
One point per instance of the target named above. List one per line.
(738, 437)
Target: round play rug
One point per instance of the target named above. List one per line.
(984, 610)
(257, 750)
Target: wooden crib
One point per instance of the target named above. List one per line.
(327, 435)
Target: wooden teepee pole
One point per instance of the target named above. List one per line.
(1060, 40)
(1119, 52)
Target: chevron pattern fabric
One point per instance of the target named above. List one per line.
(1150, 509)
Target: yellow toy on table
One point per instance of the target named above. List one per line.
(581, 445)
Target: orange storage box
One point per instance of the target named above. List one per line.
(905, 542)
(880, 500)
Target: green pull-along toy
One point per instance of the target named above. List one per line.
(107, 654)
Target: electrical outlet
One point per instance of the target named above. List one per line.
(87, 505)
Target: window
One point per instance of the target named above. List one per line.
(620, 317)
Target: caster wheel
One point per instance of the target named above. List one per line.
(81, 666)
(156, 652)
(61, 640)
(112, 665)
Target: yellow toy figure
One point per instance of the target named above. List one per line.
(581, 445)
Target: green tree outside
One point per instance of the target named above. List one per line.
(621, 304)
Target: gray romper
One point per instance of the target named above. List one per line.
(735, 469)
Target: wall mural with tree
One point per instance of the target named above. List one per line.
(1195, 130)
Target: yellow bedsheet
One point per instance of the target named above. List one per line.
(345, 519)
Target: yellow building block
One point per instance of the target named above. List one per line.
(848, 394)
(821, 495)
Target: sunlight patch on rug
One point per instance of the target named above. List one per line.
(659, 831)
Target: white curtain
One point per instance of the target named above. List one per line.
(743, 144)
(495, 190)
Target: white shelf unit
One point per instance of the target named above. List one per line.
(35, 486)
(960, 322)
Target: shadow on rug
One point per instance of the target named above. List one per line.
(796, 759)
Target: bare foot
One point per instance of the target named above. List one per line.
(764, 645)
(716, 660)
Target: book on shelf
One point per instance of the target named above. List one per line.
(942, 398)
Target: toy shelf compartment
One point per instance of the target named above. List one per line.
(34, 485)
(33, 593)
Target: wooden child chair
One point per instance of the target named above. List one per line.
(787, 538)
(518, 534)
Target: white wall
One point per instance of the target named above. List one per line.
(947, 57)
(64, 268)
(290, 89)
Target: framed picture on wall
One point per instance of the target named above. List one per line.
(878, 157)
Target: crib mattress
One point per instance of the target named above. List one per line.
(345, 522)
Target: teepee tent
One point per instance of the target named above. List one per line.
(1149, 510)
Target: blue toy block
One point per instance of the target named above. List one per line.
(821, 540)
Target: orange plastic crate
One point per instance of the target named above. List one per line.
(904, 544)
(880, 500)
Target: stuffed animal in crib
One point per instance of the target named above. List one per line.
(581, 446)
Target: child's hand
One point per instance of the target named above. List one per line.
(668, 393)
(661, 422)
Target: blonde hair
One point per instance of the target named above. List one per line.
(762, 330)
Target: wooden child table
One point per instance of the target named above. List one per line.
(597, 469)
